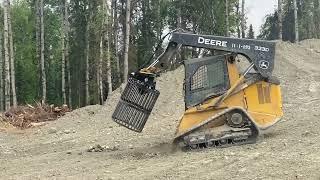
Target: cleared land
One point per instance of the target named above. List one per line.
(290, 150)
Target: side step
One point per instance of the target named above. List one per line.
(135, 105)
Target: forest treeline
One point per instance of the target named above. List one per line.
(76, 52)
(294, 20)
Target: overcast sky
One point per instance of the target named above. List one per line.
(257, 10)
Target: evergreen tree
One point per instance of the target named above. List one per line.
(299, 21)
(251, 32)
(65, 52)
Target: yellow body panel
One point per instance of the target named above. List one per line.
(264, 103)
(261, 100)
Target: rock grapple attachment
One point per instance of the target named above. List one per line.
(136, 103)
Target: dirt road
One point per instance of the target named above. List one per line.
(290, 150)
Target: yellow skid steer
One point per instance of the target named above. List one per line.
(223, 106)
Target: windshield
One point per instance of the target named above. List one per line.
(205, 79)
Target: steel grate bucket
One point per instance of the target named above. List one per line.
(135, 105)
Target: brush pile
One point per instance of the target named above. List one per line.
(30, 116)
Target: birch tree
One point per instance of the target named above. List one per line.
(227, 19)
(65, 69)
(42, 62)
(238, 17)
(115, 37)
(99, 71)
(127, 42)
(312, 19)
(12, 59)
(296, 25)
(63, 55)
(108, 38)
(243, 33)
(109, 74)
(6, 55)
(87, 57)
(37, 28)
(1, 72)
(280, 18)
(101, 45)
(67, 49)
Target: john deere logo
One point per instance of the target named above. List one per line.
(264, 64)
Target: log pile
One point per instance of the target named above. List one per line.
(30, 116)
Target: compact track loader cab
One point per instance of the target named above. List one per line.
(224, 106)
(253, 105)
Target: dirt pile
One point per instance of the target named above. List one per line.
(311, 44)
(164, 118)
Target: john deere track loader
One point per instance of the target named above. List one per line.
(223, 106)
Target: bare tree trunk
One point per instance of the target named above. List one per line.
(99, 71)
(63, 55)
(115, 36)
(179, 18)
(87, 61)
(6, 56)
(318, 24)
(296, 25)
(67, 29)
(127, 42)
(12, 59)
(238, 18)
(108, 38)
(313, 22)
(102, 40)
(1, 72)
(69, 77)
(280, 18)
(180, 52)
(109, 72)
(227, 19)
(37, 28)
(43, 70)
(243, 33)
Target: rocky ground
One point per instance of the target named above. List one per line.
(290, 150)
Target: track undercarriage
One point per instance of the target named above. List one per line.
(234, 128)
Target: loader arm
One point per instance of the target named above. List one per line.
(260, 53)
(140, 95)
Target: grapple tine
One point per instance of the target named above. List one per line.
(136, 102)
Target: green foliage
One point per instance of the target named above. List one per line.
(149, 28)
(53, 53)
(308, 19)
(251, 32)
(269, 29)
(27, 77)
(150, 19)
